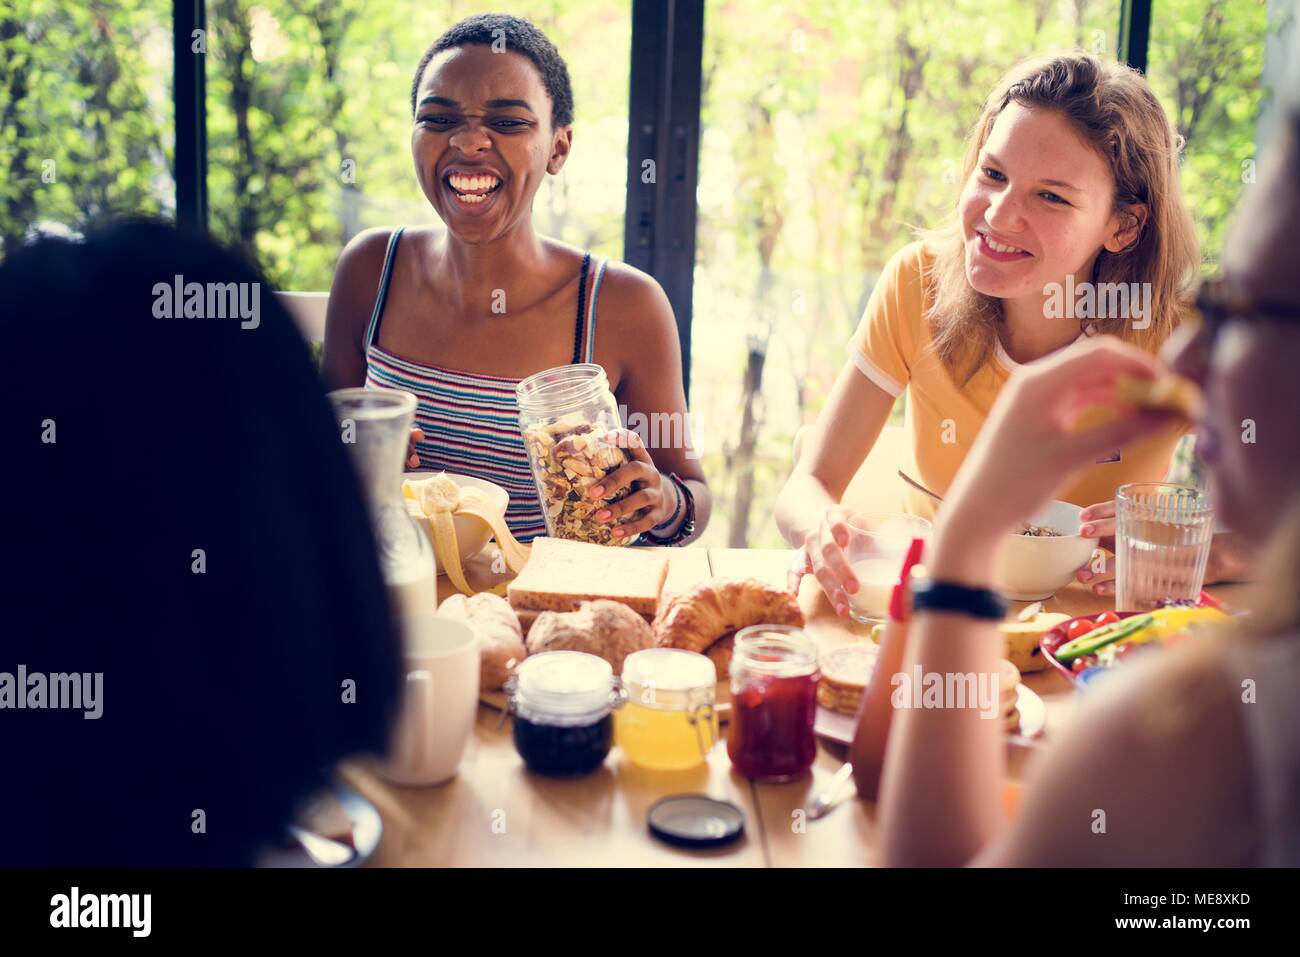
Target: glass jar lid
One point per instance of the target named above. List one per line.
(669, 677)
(781, 650)
(563, 685)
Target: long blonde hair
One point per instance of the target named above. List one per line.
(1114, 108)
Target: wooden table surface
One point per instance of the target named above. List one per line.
(496, 813)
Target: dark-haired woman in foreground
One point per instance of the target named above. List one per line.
(182, 521)
(460, 315)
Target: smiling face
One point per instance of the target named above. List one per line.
(483, 140)
(1038, 206)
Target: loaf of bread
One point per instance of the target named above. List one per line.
(501, 643)
(562, 574)
(607, 629)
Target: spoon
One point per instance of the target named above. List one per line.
(1031, 612)
(828, 800)
(918, 486)
(322, 850)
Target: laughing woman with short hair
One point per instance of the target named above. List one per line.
(420, 308)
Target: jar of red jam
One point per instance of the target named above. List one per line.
(563, 704)
(774, 679)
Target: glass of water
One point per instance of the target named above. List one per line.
(1162, 542)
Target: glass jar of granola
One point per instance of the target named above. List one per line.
(564, 414)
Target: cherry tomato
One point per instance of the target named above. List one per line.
(1087, 661)
(1206, 600)
(1105, 618)
(1078, 628)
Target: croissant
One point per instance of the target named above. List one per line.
(713, 611)
(720, 654)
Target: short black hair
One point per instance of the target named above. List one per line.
(519, 35)
(225, 688)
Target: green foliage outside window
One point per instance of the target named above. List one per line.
(829, 131)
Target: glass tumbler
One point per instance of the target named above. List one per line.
(1162, 542)
(878, 544)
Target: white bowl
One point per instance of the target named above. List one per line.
(1030, 568)
(471, 533)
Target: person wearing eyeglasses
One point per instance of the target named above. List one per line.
(1185, 757)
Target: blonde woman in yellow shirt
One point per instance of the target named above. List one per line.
(1070, 184)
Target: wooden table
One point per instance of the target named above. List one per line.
(495, 813)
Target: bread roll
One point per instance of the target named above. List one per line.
(501, 643)
(527, 616)
(608, 629)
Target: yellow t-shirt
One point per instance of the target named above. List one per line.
(893, 348)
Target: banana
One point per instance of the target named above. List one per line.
(475, 503)
(439, 499)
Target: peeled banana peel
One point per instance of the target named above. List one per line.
(474, 502)
(439, 499)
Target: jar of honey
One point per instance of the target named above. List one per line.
(562, 703)
(774, 679)
(669, 722)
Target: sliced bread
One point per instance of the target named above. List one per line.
(561, 574)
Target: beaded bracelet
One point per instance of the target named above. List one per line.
(687, 528)
(677, 509)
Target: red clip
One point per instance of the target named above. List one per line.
(896, 603)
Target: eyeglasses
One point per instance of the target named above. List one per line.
(1217, 304)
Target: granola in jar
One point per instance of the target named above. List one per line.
(569, 456)
(564, 415)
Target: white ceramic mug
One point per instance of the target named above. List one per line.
(439, 702)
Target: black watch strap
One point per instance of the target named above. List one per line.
(930, 595)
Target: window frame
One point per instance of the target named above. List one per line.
(189, 92)
(664, 94)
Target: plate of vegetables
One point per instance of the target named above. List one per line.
(1084, 647)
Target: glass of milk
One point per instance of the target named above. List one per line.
(878, 543)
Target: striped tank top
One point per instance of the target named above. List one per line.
(470, 420)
